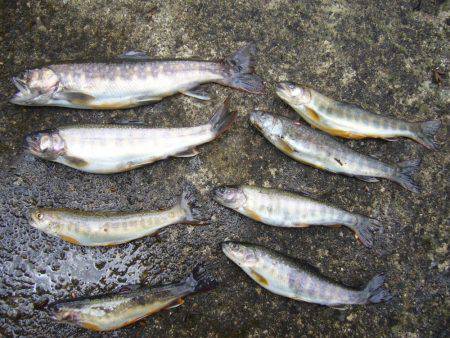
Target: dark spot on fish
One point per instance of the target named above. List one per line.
(338, 161)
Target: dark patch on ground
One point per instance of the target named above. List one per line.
(378, 54)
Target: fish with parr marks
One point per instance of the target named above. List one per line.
(292, 278)
(132, 83)
(109, 312)
(319, 150)
(285, 209)
(350, 121)
(106, 149)
(92, 228)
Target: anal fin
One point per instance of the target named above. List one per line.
(197, 93)
(367, 179)
(188, 153)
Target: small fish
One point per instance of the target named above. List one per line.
(319, 150)
(350, 121)
(109, 312)
(92, 228)
(132, 83)
(285, 209)
(292, 278)
(106, 149)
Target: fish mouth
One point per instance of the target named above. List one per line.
(282, 90)
(31, 144)
(24, 95)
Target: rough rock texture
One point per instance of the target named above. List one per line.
(378, 54)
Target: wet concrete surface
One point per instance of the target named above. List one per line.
(378, 54)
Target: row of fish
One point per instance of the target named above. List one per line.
(269, 206)
(104, 149)
(280, 274)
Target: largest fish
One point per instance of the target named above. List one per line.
(289, 277)
(309, 146)
(131, 83)
(106, 149)
(112, 311)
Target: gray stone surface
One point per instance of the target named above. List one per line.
(379, 54)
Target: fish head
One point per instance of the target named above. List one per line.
(66, 312)
(44, 220)
(293, 94)
(47, 144)
(268, 124)
(35, 86)
(243, 254)
(230, 196)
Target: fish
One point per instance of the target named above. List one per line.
(286, 209)
(107, 228)
(350, 121)
(322, 151)
(298, 280)
(114, 148)
(133, 81)
(107, 312)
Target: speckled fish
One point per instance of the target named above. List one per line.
(285, 209)
(92, 228)
(292, 278)
(350, 121)
(319, 150)
(112, 311)
(131, 83)
(106, 149)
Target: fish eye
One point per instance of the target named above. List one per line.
(39, 215)
(291, 86)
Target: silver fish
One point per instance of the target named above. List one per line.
(132, 83)
(289, 277)
(322, 151)
(91, 228)
(106, 149)
(109, 312)
(350, 121)
(285, 209)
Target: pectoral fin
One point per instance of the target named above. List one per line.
(175, 303)
(188, 153)
(284, 146)
(75, 161)
(197, 93)
(367, 179)
(78, 98)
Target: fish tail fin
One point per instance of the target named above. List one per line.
(222, 119)
(200, 280)
(425, 131)
(405, 171)
(185, 202)
(364, 228)
(239, 70)
(374, 293)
